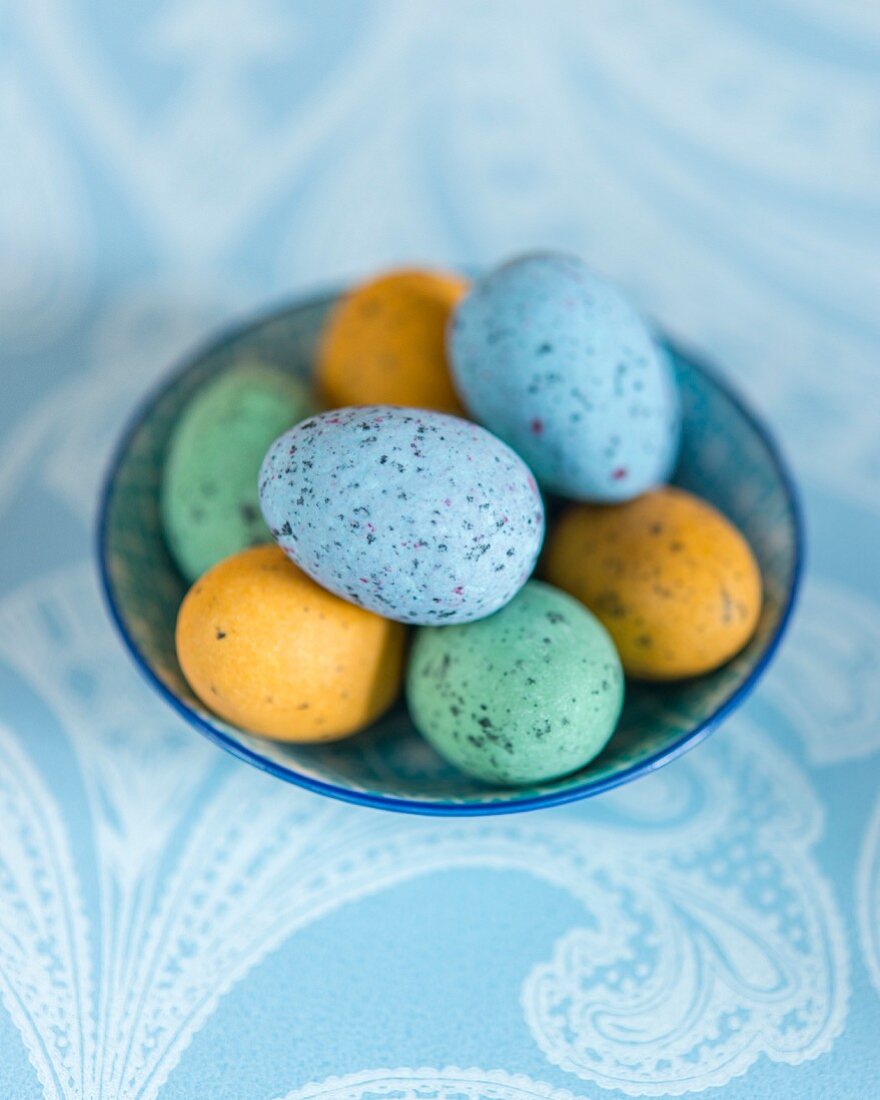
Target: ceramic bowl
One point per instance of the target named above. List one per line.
(728, 457)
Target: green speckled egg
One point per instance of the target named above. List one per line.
(528, 694)
(209, 500)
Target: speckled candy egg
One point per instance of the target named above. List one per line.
(270, 651)
(384, 343)
(553, 360)
(417, 515)
(531, 693)
(674, 581)
(209, 502)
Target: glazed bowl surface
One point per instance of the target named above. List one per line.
(727, 456)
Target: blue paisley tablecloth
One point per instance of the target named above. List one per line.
(174, 924)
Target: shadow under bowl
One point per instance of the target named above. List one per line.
(727, 457)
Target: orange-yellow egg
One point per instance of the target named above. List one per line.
(674, 582)
(272, 652)
(385, 343)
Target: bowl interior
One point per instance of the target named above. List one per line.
(726, 458)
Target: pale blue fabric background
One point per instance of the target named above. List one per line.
(174, 924)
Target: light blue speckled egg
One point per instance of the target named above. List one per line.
(553, 359)
(419, 516)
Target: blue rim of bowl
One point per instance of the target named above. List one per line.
(414, 806)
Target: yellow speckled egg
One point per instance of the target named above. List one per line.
(674, 582)
(385, 343)
(272, 652)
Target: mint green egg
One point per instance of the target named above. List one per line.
(528, 694)
(209, 499)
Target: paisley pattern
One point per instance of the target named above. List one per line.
(707, 951)
(45, 975)
(827, 685)
(258, 861)
(868, 896)
(429, 1084)
(47, 242)
(173, 924)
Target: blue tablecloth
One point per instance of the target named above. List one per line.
(174, 924)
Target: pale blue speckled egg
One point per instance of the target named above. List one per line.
(555, 361)
(418, 516)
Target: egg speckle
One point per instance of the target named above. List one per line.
(553, 359)
(419, 516)
(671, 578)
(209, 502)
(384, 343)
(270, 651)
(529, 694)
